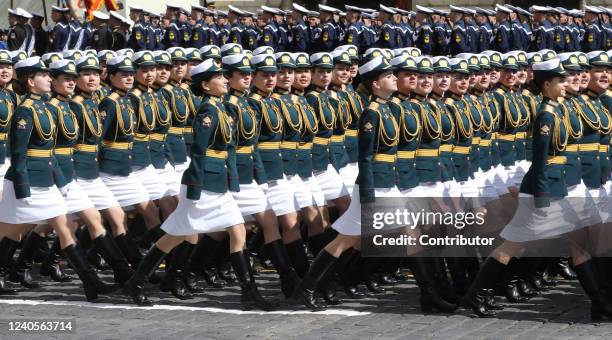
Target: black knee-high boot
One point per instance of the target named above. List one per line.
(604, 269)
(517, 266)
(587, 275)
(91, 282)
(114, 257)
(437, 270)
(327, 284)
(221, 262)
(91, 253)
(22, 271)
(475, 298)
(347, 271)
(151, 236)
(249, 296)
(430, 299)
(458, 274)
(317, 242)
(51, 266)
(134, 287)
(297, 254)
(305, 292)
(200, 257)
(130, 250)
(507, 285)
(369, 275)
(255, 247)
(7, 250)
(173, 281)
(277, 253)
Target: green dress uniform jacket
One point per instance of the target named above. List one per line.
(521, 135)
(532, 103)
(356, 106)
(606, 101)
(145, 108)
(509, 123)
(178, 104)
(32, 138)
(213, 152)
(271, 133)
(464, 129)
(193, 102)
(8, 102)
(117, 134)
(342, 121)
(378, 139)
(591, 116)
(574, 131)
(545, 179)
(321, 156)
(409, 126)
(495, 113)
(427, 161)
(159, 134)
(486, 130)
(475, 116)
(447, 136)
(248, 161)
(293, 125)
(66, 135)
(85, 109)
(309, 130)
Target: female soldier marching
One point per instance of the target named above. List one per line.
(378, 134)
(30, 192)
(204, 193)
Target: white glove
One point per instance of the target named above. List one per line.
(26, 200)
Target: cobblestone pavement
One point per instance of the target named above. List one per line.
(561, 313)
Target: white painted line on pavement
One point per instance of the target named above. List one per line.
(342, 312)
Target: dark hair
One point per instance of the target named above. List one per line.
(196, 82)
(369, 78)
(540, 77)
(22, 81)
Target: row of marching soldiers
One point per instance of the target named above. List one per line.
(205, 144)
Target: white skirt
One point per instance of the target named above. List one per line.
(349, 175)
(212, 212)
(431, 189)
(584, 205)
(76, 198)
(128, 190)
(181, 167)
(331, 183)
(302, 193)
(151, 181)
(171, 179)
(452, 188)
(520, 170)
(498, 176)
(349, 223)
(281, 197)
(4, 168)
(43, 204)
(530, 223)
(317, 194)
(98, 193)
(251, 199)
